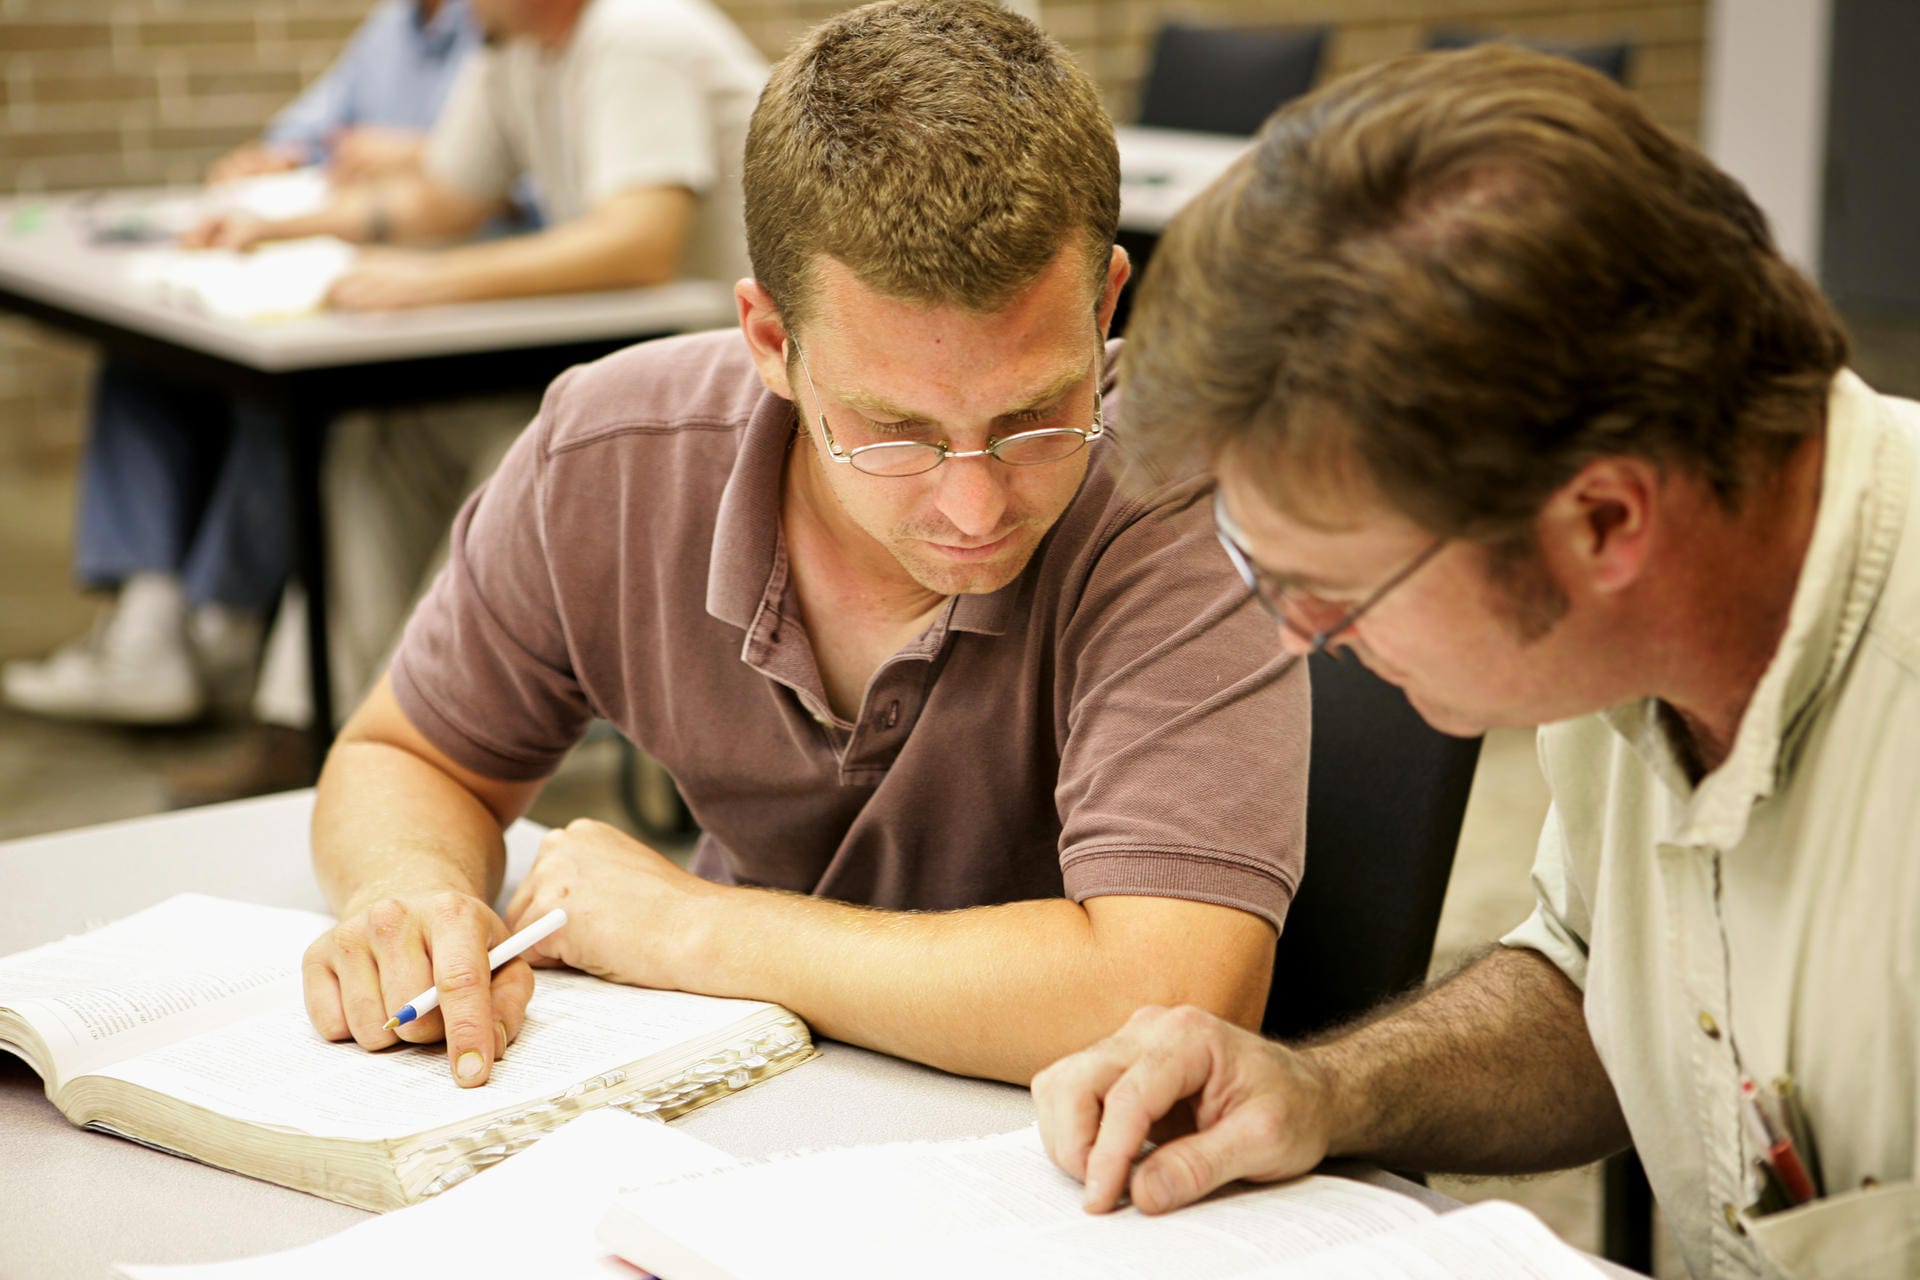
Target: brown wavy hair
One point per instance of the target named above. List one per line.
(943, 150)
(1456, 278)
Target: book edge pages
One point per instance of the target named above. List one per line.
(388, 1173)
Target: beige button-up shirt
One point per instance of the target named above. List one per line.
(1767, 921)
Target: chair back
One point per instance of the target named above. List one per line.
(1385, 797)
(1227, 79)
(1609, 60)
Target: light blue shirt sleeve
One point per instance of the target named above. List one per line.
(395, 73)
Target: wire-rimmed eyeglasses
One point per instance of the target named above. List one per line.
(900, 458)
(1281, 601)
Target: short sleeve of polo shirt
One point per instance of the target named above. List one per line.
(490, 622)
(1184, 769)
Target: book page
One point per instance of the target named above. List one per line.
(175, 969)
(548, 1197)
(275, 1070)
(994, 1206)
(1491, 1241)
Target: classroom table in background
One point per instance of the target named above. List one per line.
(64, 263)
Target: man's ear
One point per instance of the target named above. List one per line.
(1601, 525)
(766, 335)
(1119, 269)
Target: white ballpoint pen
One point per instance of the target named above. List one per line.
(429, 1000)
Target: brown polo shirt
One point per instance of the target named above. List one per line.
(1109, 722)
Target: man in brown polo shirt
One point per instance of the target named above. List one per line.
(949, 703)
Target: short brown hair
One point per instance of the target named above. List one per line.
(943, 150)
(1458, 278)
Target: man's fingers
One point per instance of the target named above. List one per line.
(459, 942)
(360, 997)
(1066, 1099)
(1145, 1092)
(512, 991)
(400, 950)
(1245, 1143)
(321, 990)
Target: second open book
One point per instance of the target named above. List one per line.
(998, 1207)
(183, 1027)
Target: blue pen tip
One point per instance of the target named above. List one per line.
(406, 1015)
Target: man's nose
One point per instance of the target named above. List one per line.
(973, 495)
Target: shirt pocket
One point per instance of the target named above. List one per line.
(1869, 1234)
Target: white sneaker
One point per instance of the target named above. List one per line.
(226, 651)
(134, 667)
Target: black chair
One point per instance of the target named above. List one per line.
(1227, 79)
(1385, 797)
(1608, 59)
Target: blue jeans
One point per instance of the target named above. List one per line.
(181, 480)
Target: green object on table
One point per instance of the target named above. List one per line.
(28, 217)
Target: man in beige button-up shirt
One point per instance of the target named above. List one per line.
(1471, 326)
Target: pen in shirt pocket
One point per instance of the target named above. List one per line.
(1793, 1115)
(1775, 1146)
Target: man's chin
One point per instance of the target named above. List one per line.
(1447, 720)
(949, 577)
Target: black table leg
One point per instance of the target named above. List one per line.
(306, 439)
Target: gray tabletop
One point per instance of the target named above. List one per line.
(73, 1202)
(48, 254)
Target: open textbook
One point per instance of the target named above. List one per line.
(998, 1207)
(182, 1027)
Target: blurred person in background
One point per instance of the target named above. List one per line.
(630, 118)
(182, 491)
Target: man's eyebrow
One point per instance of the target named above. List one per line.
(875, 405)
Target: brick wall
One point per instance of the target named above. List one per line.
(117, 92)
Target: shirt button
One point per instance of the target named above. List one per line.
(1708, 1025)
(1733, 1218)
(893, 714)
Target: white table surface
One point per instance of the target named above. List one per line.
(46, 255)
(73, 1202)
(1162, 169)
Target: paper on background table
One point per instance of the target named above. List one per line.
(532, 1214)
(281, 280)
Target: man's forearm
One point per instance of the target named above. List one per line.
(576, 257)
(386, 822)
(1491, 1071)
(995, 991)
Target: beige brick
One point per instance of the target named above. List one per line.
(333, 27)
(22, 38)
(44, 89)
(282, 83)
(192, 31)
(37, 143)
(1669, 64)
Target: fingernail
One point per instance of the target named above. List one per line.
(500, 1039)
(470, 1066)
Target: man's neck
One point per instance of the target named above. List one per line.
(557, 21)
(1729, 606)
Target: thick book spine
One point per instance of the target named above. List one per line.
(774, 1047)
